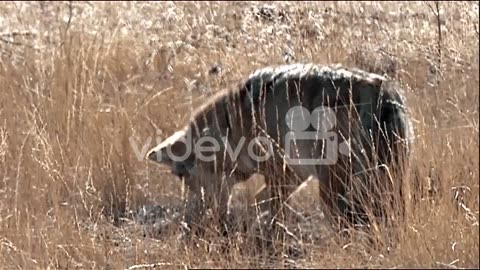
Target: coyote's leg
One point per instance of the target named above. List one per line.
(281, 186)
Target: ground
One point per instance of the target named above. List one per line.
(88, 87)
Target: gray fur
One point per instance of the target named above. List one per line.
(363, 103)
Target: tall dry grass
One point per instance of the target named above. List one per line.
(83, 83)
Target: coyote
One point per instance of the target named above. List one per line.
(291, 122)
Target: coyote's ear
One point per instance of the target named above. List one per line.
(207, 132)
(211, 132)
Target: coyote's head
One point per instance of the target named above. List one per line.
(191, 156)
(175, 152)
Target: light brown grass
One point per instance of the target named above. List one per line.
(84, 78)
